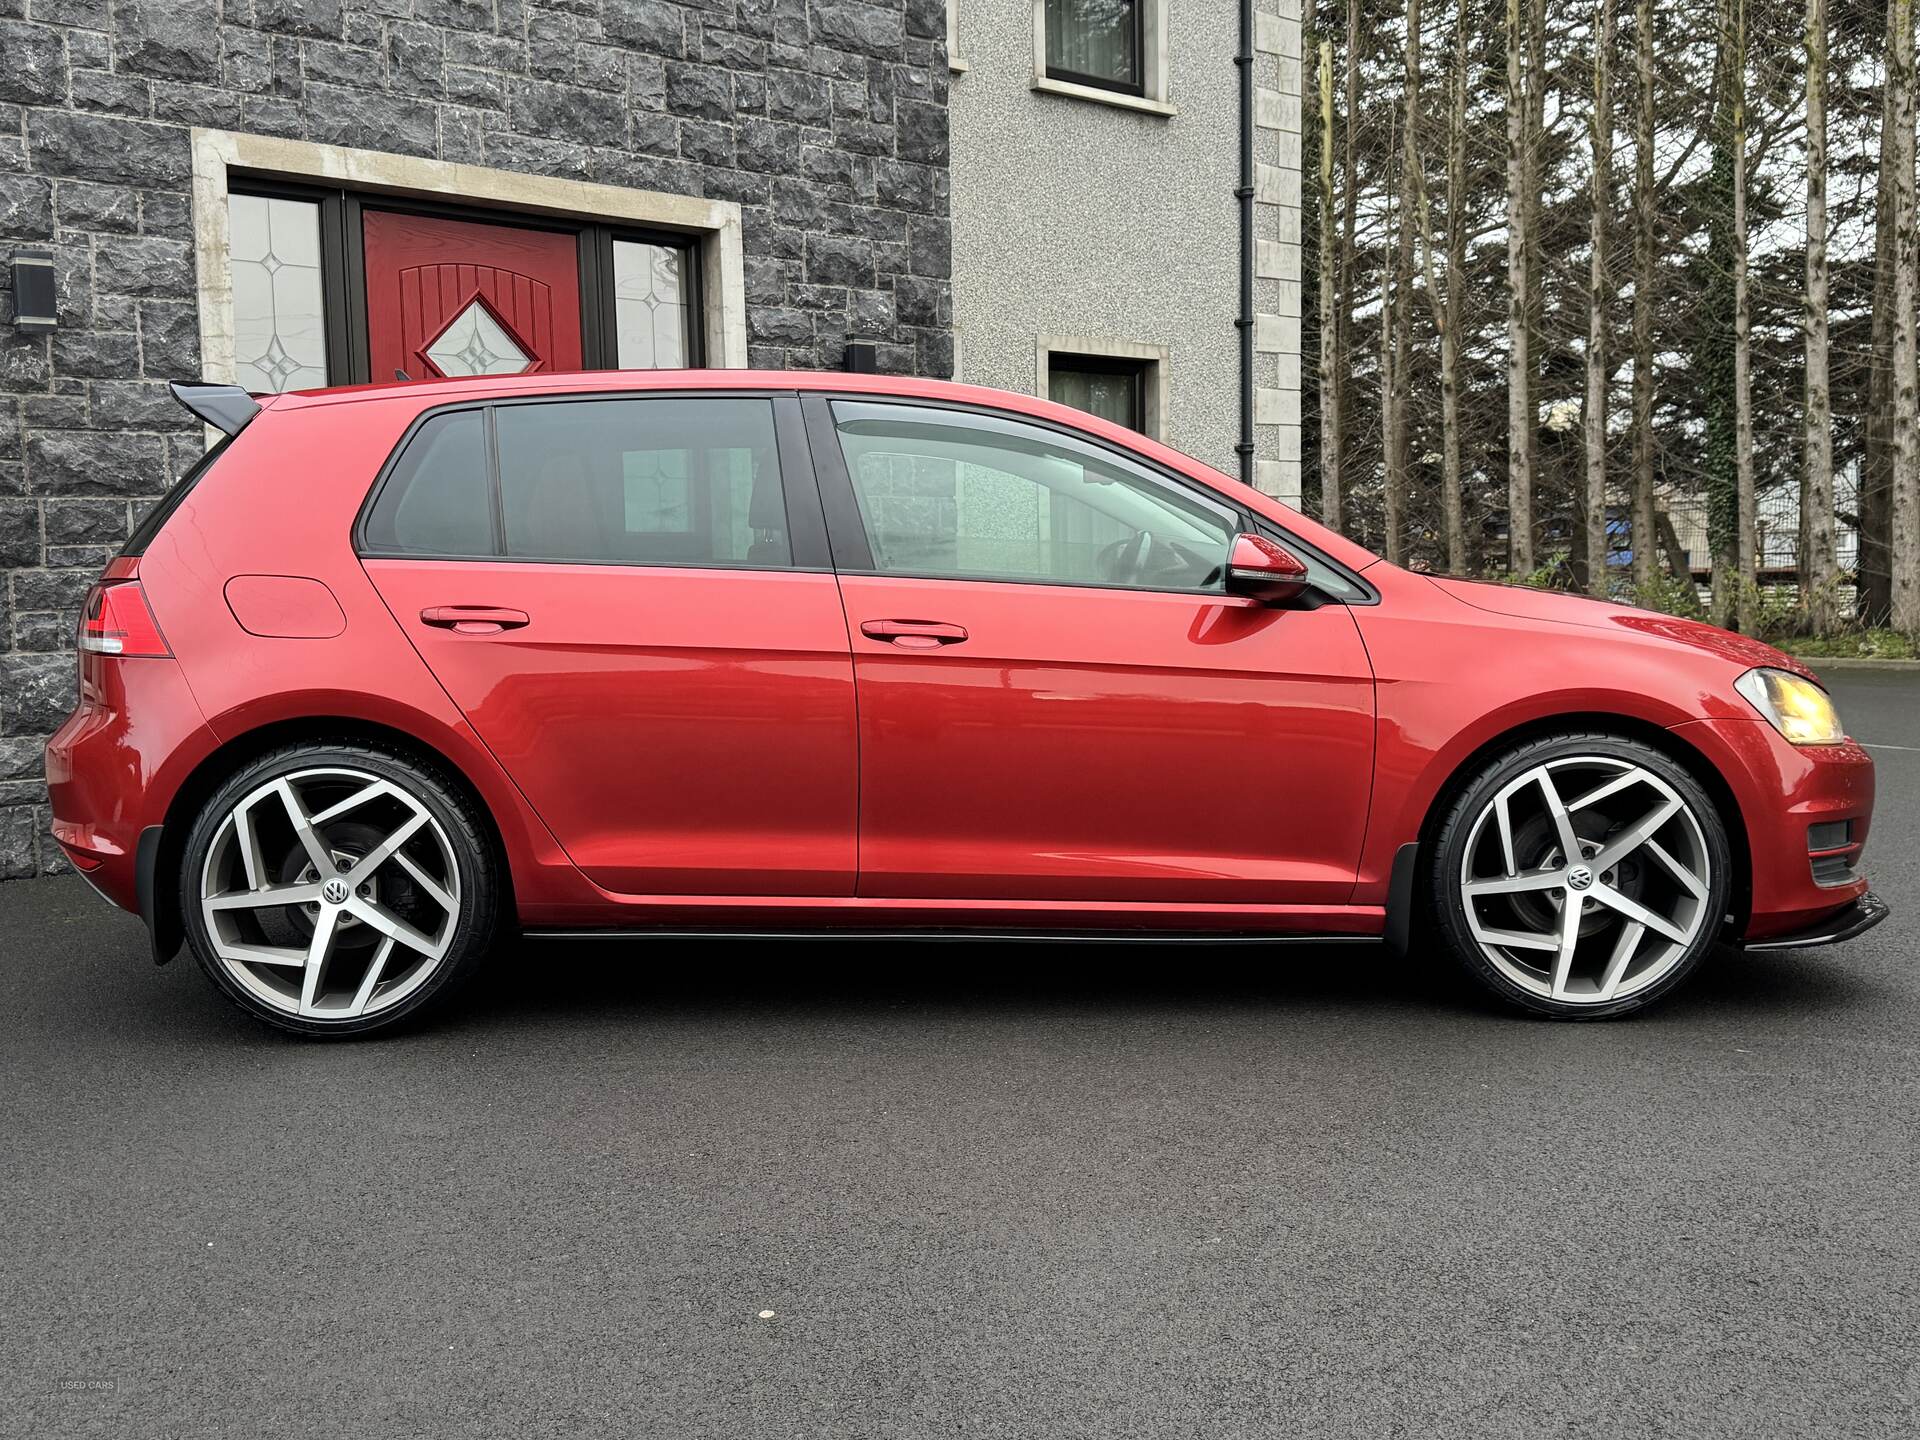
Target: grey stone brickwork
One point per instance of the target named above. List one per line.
(825, 120)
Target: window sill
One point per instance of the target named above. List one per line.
(1047, 85)
(957, 65)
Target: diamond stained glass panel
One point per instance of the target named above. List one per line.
(474, 343)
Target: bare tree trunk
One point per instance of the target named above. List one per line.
(1873, 570)
(1331, 388)
(1747, 594)
(1645, 565)
(1453, 502)
(1817, 562)
(1446, 313)
(1334, 514)
(1677, 562)
(1392, 491)
(1519, 302)
(1398, 479)
(1904, 387)
(1596, 417)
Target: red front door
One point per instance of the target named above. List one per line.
(459, 297)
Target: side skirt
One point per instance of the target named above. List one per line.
(948, 935)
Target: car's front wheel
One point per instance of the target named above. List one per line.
(335, 889)
(1581, 876)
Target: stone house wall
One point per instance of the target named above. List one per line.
(825, 120)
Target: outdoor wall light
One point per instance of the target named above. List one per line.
(862, 358)
(34, 305)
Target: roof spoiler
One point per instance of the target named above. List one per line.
(227, 408)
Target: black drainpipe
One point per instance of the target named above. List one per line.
(1245, 196)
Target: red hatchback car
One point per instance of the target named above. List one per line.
(401, 667)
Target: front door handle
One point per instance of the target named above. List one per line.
(914, 634)
(473, 619)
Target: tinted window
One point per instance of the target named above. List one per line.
(951, 494)
(679, 481)
(437, 500)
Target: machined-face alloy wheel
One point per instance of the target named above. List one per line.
(1584, 879)
(333, 896)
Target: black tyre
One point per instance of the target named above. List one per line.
(334, 889)
(1611, 827)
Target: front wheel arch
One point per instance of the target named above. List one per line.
(160, 859)
(1626, 727)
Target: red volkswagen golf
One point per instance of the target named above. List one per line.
(403, 667)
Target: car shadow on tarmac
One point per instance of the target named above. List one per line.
(598, 979)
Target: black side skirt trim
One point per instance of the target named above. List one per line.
(1020, 937)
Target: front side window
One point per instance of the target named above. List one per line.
(967, 496)
(1097, 42)
(672, 481)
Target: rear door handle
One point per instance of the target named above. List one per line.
(473, 619)
(914, 634)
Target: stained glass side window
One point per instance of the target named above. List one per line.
(279, 316)
(652, 308)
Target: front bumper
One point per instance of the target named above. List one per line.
(1856, 919)
(1784, 791)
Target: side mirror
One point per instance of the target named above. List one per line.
(1262, 570)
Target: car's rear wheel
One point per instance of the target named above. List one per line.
(1581, 876)
(335, 889)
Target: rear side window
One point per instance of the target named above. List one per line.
(685, 480)
(438, 500)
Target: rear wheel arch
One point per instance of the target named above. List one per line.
(160, 888)
(1627, 727)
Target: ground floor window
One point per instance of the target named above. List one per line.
(1114, 389)
(334, 287)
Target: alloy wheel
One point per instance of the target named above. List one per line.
(330, 893)
(1586, 879)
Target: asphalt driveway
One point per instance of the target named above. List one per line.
(995, 1191)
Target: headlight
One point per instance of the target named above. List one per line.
(1799, 709)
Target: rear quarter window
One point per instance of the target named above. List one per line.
(438, 497)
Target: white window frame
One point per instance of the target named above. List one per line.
(714, 225)
(1156, 387)
(1153, 66)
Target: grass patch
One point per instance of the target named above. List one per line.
(1853, 645)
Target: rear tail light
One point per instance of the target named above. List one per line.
(116, 620)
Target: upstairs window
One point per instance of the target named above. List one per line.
(1101, 43)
